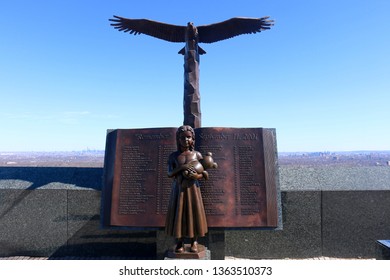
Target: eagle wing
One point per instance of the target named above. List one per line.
(164, 31)
(232, 27)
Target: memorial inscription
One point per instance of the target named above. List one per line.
(239, 193)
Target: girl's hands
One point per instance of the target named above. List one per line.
(191, 173)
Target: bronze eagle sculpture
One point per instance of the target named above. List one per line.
(192, 36)
(201, 34)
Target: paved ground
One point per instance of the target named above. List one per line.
(118, 258)
(61, 258)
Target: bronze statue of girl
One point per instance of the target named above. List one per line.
(186, 217)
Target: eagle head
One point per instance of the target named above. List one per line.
(192, 31)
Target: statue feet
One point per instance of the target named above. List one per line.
(187, 251)
(194, 247)
(179, 247)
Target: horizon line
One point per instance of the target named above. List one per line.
(279, 152)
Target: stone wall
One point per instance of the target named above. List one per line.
(343, 224)
(327, 211)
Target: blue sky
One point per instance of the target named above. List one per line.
(320, 76)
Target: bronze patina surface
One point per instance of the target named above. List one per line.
(186, 217)
(241, 192)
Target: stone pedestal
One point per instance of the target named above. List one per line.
(187, 254)
(214, 242)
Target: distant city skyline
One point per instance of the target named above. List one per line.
(320, 76)
(96, 159)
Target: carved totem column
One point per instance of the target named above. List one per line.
(192, 114)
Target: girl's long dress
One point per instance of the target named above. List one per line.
(186, 216)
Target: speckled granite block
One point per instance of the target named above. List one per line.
(87, 239)
(83, 210)
(32, 223)
(353, 221)
(332, 178)
(300, 237)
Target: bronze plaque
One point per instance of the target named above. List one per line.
(241, 192)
